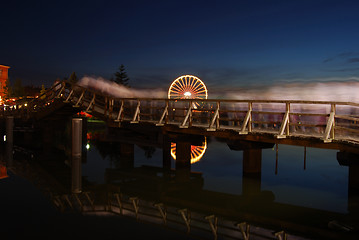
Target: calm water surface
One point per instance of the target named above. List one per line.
(304, 185)
(319, 182)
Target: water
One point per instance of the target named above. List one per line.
(323, 184)
(300, 188)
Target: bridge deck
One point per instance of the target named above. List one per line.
(331, 123)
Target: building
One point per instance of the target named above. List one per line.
(3, 77)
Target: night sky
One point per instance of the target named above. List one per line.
(228, 44)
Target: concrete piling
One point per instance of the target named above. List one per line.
(76, 155)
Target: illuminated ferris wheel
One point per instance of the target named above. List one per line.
(187, 87)
(197, 152)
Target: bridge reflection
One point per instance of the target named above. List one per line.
(175, 196)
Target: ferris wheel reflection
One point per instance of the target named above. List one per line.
(197, 152)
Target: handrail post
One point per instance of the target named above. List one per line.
(108, 107)
(80, 98)
(118, 198)
(135, 202)
(215, 119)
(281, 235)
(118, 119)
(167, 115)
(188, 115)
(163, 211)
(186, 216)
(287, 106)
(333, 109)
(91, 103)
(111, 107)
(285, 122)
(250, 107)
(247, 122)
(329, 130)
(62, 88)
(69, 96)
(213, 224)
(244, 227)
(136, 117)
(164, 115)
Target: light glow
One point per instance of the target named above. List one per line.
(187, 94)
(187, 87)
(197, 152)
(3, 172)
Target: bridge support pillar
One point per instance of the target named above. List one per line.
(252, 160)
(183, 161)
(10, 129)
(252, 166)
(127, 154)
(76, 155)
(9, 140)
(352, 161)
(76, 172)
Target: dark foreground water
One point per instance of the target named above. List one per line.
(303, 191)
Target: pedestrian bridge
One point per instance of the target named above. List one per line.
(320, 122)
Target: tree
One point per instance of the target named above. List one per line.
(31, 90)
(8, 89)
(42, 91)
(18, 89)
(121, 76)
(73, 78)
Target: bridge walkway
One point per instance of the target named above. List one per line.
(324, 121)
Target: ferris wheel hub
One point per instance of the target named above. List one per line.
(187, 94)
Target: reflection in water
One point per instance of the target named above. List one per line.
(323, 184)
(283, 188)
(217, 195)
(197, 152)
(3, 171)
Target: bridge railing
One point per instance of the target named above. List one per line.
(325, 120)
(320, 119)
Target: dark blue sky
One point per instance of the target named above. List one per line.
(226, 43)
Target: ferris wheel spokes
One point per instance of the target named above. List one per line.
(187, 87)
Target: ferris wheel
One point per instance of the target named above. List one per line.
(197, 152)
(187, 87)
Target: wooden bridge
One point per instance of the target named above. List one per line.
(322, 123)
(309, 123)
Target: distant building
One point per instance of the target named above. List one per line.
(3, 77)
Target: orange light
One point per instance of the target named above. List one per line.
(3, 172)
(197, 152)
(187, 86)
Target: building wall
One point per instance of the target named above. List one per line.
(3, 77)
